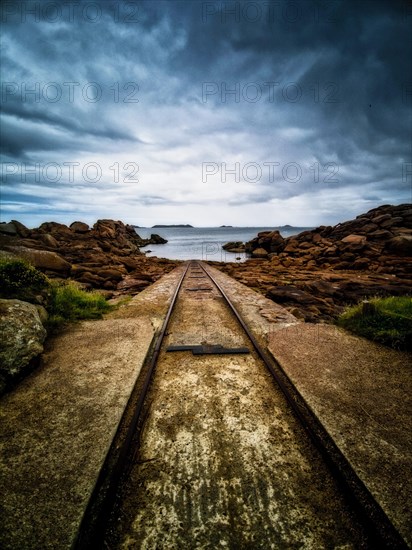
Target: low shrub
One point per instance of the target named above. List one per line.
(70, 303)
(384, 320)
(20, 280)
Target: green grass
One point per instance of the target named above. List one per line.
(68, 303)
(65, 302)
(389, 322)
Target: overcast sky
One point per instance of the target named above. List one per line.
(252, 113)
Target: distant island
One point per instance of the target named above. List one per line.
(226, 226)
(178, 225)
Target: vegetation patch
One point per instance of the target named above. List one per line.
(21, 281)
(65, 302)
(384, 320)
(70, 303)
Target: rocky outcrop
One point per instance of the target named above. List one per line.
(271, 241)
(380, 240)
(22, 339)
(317, 273)
(156, 239)
(99, 257)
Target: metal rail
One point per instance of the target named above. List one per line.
(92, 534)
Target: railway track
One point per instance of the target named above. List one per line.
(212, 453)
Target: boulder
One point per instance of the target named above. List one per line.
(79, 227)
(14, 228)
(292, 246)
(234, 246)
(54, 228)
(105, 229)
(368, 228)
(22, 337)
(354, 239)
(380, 234)
(401, 245)
(42, 259)
(117, 235)
(382, 217)
(8, 228)
(130, 263)
(157, 239)
(22, 230)
(330, 251)
(260, 253)
(277, 242)
(49, 240)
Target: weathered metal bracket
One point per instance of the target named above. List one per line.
(213, 349)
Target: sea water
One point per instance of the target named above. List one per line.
(204, 243)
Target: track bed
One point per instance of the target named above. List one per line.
(222, 461)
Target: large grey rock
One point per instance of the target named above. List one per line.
(22, 337)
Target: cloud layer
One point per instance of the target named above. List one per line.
(209, 113)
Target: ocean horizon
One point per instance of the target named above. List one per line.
(205, 243)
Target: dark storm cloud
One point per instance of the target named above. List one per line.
(15, 140)
(177, 83)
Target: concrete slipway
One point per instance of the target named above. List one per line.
(57, 425)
